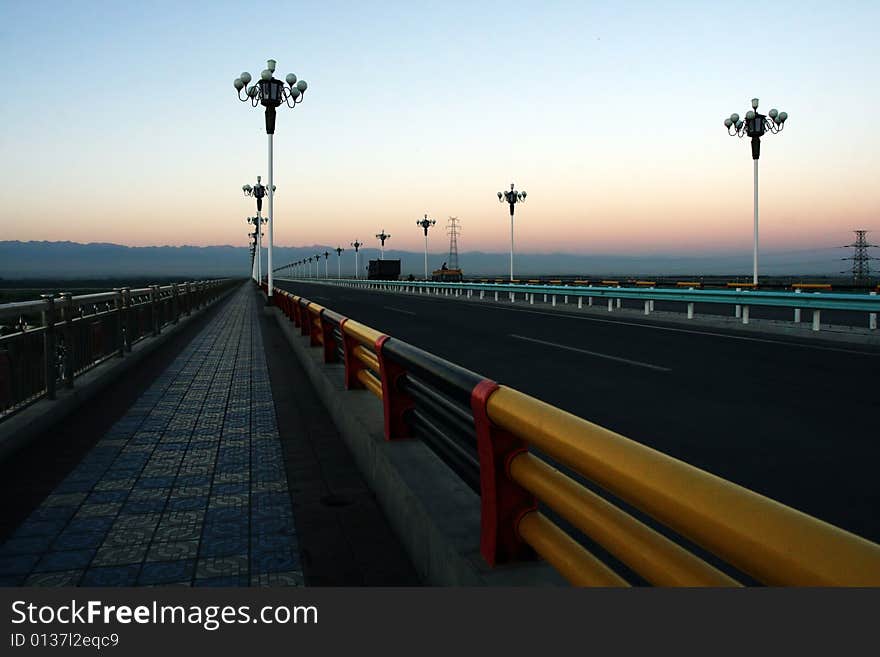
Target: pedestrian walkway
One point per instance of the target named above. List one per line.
(188, 487)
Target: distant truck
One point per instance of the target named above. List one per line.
(383, 270)
(447, 275)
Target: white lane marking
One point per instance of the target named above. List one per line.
(593, 353)
(679, 330)
(489, 305)
(398, 310)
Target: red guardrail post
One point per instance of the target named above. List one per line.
(502, 501)
(395, 402)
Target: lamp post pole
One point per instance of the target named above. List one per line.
(511, 197)
(257, 191)
(271, 93)
(326, 264)
(425, 225)
(357, 245)
(755, 126)
(382, 237)
(339, 251)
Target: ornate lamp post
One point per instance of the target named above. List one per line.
(755, 126)
(511, 197)
(257, 222)
(255, 248)
(339, 251)
(357, 245)
(326, 263)
(382, 237)
(271, 93)
(426, 224)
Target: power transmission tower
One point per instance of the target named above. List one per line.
(861, 260)
(453, 229)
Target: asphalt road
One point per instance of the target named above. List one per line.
(795, 420)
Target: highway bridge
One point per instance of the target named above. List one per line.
(774, 413)
(188, 435)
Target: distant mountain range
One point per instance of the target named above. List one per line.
(75, 260)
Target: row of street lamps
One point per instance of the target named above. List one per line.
(271, 93)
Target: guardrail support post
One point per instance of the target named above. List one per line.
(50, 371)
(496, 295)
(553, 300)
(127, 317)
(580, 302)
(395, 402)
(872, 317)
(502, 501)
(119, 302)
(647, 307)
(67, 316)
(745, 314)
(738, 309)
(175, 303)
(610, 304)
(532, 298)
(797, 311)
(817, 314)
(154, 309)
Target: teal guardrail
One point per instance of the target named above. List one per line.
(869, 303)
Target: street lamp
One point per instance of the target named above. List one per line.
(271, 93)
(357, 245)
(511, 197)
(257, 222)
(426, 224)
(326, 263)
(255, 241)
(382, 237)
(755, 126)
(339, 251)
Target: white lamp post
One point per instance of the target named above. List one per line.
(511, 197)
(339, 251)
(357, 271)
(382, 237)
(755, 126)
(425, 225)
(271, 93)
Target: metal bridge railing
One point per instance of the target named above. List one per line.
(504, 445)
(47, 344)
(814, 298)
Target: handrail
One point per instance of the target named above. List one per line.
(57, 338)
(768, 540)
(430, 398)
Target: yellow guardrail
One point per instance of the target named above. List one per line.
(756, 536)
(767, 540)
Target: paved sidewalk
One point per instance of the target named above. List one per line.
(188, 487)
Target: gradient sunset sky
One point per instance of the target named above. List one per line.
(120, 122)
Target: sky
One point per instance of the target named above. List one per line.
(120, 123)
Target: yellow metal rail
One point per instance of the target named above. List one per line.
(773, 543)
(648, 553)
(568, 557)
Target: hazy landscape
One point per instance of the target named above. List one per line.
(64, 260)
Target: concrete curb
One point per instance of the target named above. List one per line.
(43, 414)
(435, 516)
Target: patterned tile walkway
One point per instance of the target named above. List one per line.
(188, 487)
